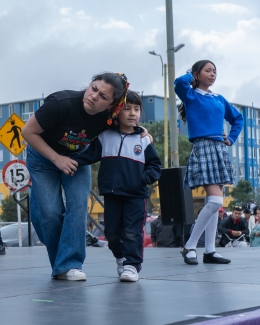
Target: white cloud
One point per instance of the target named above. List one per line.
(150, 38)
(216, 41)
(142, 18)
(162, 8)
(81, 15)
(117, 24)
(228, 8)
(65, 11)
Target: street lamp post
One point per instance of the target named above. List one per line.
(175, 49)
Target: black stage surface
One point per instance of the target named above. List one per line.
(168, 291)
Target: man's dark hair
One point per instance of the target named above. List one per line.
(247, 211)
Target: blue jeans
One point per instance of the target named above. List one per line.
(61, 227)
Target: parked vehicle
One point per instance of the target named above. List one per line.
(147, 232)
(10, 237)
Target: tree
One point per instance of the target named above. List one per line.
(9, 210)
(157, 131)
(242, 193)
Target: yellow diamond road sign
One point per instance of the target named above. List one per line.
(10, 135)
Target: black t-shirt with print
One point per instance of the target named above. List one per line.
(68, 128)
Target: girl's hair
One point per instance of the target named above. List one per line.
(196, 68)
(117, 81)
(255, 210)
(133, 98)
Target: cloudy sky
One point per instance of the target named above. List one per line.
(50, 45)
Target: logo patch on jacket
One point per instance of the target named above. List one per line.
(137, 150)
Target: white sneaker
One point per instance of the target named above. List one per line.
(72, 275)
(129, 274)
(120, 267)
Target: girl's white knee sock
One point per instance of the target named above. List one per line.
(206, 215)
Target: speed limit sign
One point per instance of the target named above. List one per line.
(16, 175)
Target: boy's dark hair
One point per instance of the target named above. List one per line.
(133, 98)
(247, 211)
(196, 68)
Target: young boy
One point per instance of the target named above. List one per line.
(128, 164)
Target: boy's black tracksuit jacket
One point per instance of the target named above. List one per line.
(128, 162)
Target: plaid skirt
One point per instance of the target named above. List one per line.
(208, 164)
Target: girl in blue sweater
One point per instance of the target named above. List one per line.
(209, 164)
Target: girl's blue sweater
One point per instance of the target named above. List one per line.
(205, 114)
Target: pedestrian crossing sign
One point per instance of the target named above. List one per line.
(11, 136)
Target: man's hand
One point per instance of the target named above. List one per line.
(154, 244)
(236, 233)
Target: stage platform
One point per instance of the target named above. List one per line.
(168, 291)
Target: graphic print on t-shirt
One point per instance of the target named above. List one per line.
(75, 141)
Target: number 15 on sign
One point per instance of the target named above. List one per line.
(16, 175)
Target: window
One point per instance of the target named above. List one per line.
(241, 172)
(11, 109)
(248, 112)
(250, 172)
(258, 117)
(226, 191)
(234, 151)
(258, 136)
(234, 170)
(258, 174)
(249, 152)
(255, 174)
(241, 154)
(1, 198)
(1, 154)
(150, 100)
(1, 177)
(249, 132)
(225, 128)
(241, 137)
(254, 153)
(258, 157)
(1, 112)
(27, 111)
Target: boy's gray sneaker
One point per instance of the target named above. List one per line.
(2, 250)
(120, 266)
(129, 274)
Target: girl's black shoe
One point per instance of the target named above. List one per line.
(189, 260)
(210, 259)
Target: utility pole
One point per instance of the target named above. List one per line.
(171, 78)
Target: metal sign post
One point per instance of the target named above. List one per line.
(16, 176)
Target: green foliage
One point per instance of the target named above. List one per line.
(242, 193)
(9, 209)
(157, 131)
(94, 176)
